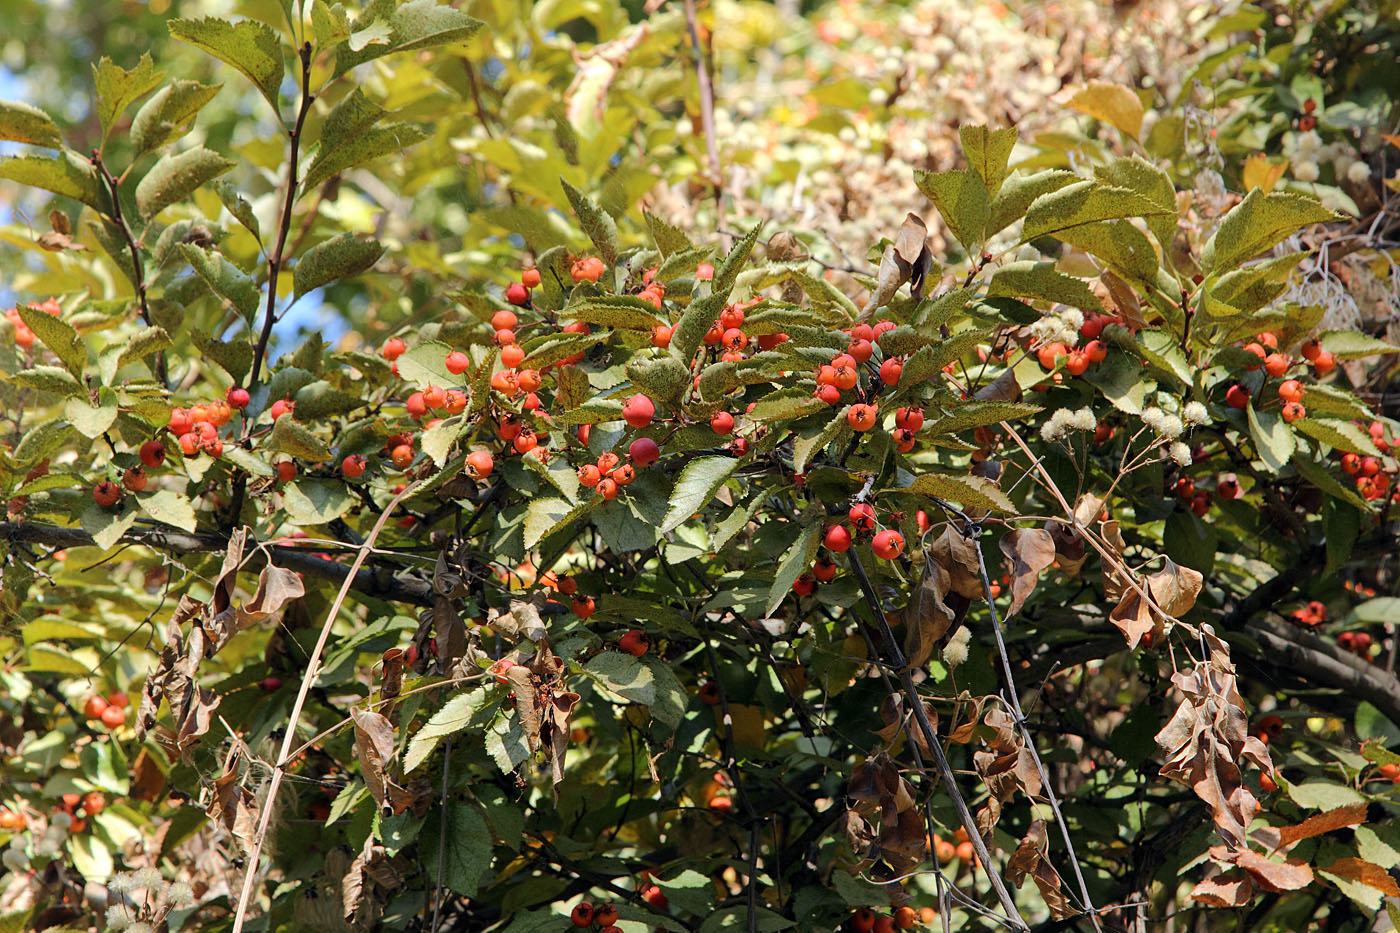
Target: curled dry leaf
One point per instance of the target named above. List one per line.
(1267, 874)
(1208, 735)
(908, 257)
(233, 806)
(1123, 299)
(1027, 855)
(173, 680)
(880, 790)
(1030, 551)
(372, 868)
(277, 586)
(1006, 765)
(892, 711)
(1364, 872)
(1173, 588)
(374, 747)
(1232, 890)
(1003, 388)
(951, 578)
(1350, 815)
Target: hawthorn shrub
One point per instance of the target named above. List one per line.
(666, 584)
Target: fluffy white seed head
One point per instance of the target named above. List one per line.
(1181, 453)
(955, 652)
(1195, 413)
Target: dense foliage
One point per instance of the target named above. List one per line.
(656, 545)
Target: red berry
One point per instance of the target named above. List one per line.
(393, 349)
(862, 417)
(286, 471)
(635, 643)
(152, 453)
(1237, 396)
(134, 479)
(530, 278)
(583, 606)
(353, 466)
(862, 517)
(804, 585)
(1324, 363)
(910, 419)
(270, 684)
(94, 707)
(589, 475)
(643, 451)
(638, 411)
(704, 272)
(888, 545)
(1276, 364)
(890, 371)
(838, 539)
(661, 336)
(106, 493)
(824, 570)
(237, 398)
(582, 915)
(517, 294)
(113, 716)
(457, 362)
(722, 422)
(1293, 411)
(1311, 350)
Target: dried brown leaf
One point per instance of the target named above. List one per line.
(1367, 873)
(277, 586)
(1027, 855)
(1123, 298)
(374, 747)
(1275, 876)
(1350, 815)
(1232, 890)
(1003, 388)
(941, 598)
(1049, 884)
(1030, 551)
(233, 806)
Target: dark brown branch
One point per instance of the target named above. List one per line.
(381, 583)
(137, 267)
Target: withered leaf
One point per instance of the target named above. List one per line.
(858, 832)
(1232, 890)
(1173, 588)
(233, 806)
(1027, 855)
(1350, 815)
(1003, 388)
(1367, 873)
(1049, 885)
(897, 264)
(374, 747)
(1030, 550)
(1268, 874)
(1123, 297)
(277, 586)
(556, 728)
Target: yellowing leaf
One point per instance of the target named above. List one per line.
(1113, 104)
(1259, 172)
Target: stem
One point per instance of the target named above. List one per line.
(707, 106)
(137, 266)
(916, 702)
(274, 262)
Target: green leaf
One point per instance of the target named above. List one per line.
(976, 414)
(247, 461)
(811, 441)
(426, 364)
(664, 378)
(315, 501)
(624, 675)
(1080, 203)
(320, 399)
(66, 174)
(695, 487)
(1274, 441)
(141, 344)
(49, 379)
(961, 198)
(21, 123)
(1122, 246)
(467, 848)
(596, 222)
(169, 114)
(972, 491)
(451, 718)
(690, 331)
(988, 152)
(247, 45)
(1151, 182)
(169, 507)
(623, 311)
(236, 205)
(1019, 191)
(796, 560)
(554, 347)
(1320, 398)
(330, 260)
(1323, 479)
(91, 422)
(1259, 223)
(1026, 279)
(1350, 345)
(417, 24)
(58, 336)
(1339, 435)
(548, 516)
(227, 280)
(1323, 795)
(1252, 287)
(176, 176)
(42, 440)
(669, 240)
(349, 138)
(288, 437)
(1343, 523)
(785, 404)
(235, 356)
(331, 24)
(1114, 104)
(118, 88)
(106, 525)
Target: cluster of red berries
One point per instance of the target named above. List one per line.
(1277, 365)
(903, 918)
(1312, 615)
(959, 847)
(1371, 476)
(1268, 728)
(1358, 643)
(24, 337)
(727, 333)
(89, 805)
(111, 710)
(603, 917)
(1077, 360)
(197, 427)
(1197, 499)
(838, 538)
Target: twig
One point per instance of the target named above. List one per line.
(274, 262)
(707, 108)
(911, 691)
(442, 838)
(137, 267)
(313, 666)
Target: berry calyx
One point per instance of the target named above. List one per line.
(582, 915)
(862, 516)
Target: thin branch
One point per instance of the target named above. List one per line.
(707, 107)
(137, 266)
(398, 587)
(313, 669)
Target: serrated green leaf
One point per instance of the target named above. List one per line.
(426, 364)
(169, 114)
(334, 259)
(1322, 478)
(961, 198)
(1274, 441)
(1320, 398)
(235, 356)
(1339, 435)
(236, 205)
(247, 45)
(227, 280)
(623, 675)
(118, 88)
(988, 152)
(690, 331)
(66, 174)
(976, 414)
(622, 311)
(669, 240)
(697, 484)
(1041, 280)
(49, 379)
(90, 421)
(451, 718)
(796, 559)
(1114, 104)
(664, 378)
(107, 525)
(972, 491)
(549, 516)
(785, 404)
(1083, 202)
(247, 461)
(811, 441)
(1259, 223)
(41, 441)
(288, 437)
(169, 507)
(1122, 246)
(596, 222)
(1350, 345)
(417, 24)
(1151, 182)
(465, 849)
(320, 399)
(1019, 191)
(58, 336)
(331, 24)
(21, 123)
(315, 501)
(555, 347)
(351, 139)
(176, 176)
(142, 344)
